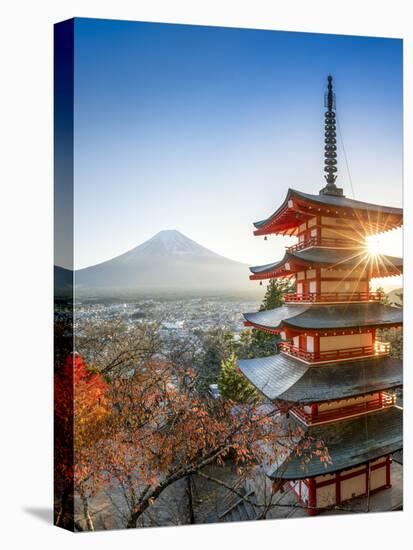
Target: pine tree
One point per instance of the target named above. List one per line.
(233, 385)
(384, 299)
(274, 295)
(262, 343)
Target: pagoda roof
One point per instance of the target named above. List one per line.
(283, 377)
(350, 443)
(318, 317)
(340, 258)
(299, 206)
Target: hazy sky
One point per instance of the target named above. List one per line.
(203, 130)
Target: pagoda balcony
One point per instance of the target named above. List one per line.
(385, 400)
(379, 349)
(332, 297)
(328, 243)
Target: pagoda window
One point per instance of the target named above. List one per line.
(325, 220)
(362, 342)
(341, 273)
(302, 227)
(299, 288)
(296, 341)
(311, 273)
(355, 484)
(339, 285)
(312, 287)
(373, 399)
(378, 474)
(300, 275)
(326, 490)
(310, 344)
(332, 233)
(312, 222)
(344, 408)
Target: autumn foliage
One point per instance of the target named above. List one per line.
(81, 413)
(144, 426)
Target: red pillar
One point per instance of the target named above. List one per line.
(338, 489)
(317, 345)
(388, 464)
(312, 497)
(314, 412)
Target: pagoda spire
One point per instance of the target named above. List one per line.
(330, 149)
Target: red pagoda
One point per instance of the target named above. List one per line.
(332, 374)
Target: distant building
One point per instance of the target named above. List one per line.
(214, 391)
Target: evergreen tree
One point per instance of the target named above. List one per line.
(233, 385)
(384, 299)
(263, 343)
(274, 295)
(216, 345)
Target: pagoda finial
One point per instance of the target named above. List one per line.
(330, 149)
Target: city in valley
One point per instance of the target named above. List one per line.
(179, 317)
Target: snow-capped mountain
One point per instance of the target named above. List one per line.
(169, 262)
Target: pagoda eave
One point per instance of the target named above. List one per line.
(283, 378)
(350, 443)
(299, 206)
(377, 266)
(326, 317)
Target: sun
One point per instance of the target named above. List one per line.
(373, 245)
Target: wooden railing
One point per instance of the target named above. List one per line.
(385, 400)
(293, 297)
(378, 349)
(317, 241)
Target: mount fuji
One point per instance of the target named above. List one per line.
(168, 263)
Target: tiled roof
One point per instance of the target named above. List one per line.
(326, 316)
(334, 201)
(285, 378)
(334, 257)
(350, 443)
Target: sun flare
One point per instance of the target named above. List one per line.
(373, 245)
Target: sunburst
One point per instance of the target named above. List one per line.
(374, 245)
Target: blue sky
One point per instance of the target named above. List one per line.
(203, 129)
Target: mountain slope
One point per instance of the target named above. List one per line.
(168, 262)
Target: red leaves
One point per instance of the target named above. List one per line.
(81, 411)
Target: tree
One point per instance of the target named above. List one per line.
(274, 295)
(384, 299)
(216, 345)
(263, 343)
(165, 433)
(392, 335)
(233, 385)
(116, 349)
(148, 427)
(81, 414)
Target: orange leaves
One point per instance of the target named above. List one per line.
(146, 430)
